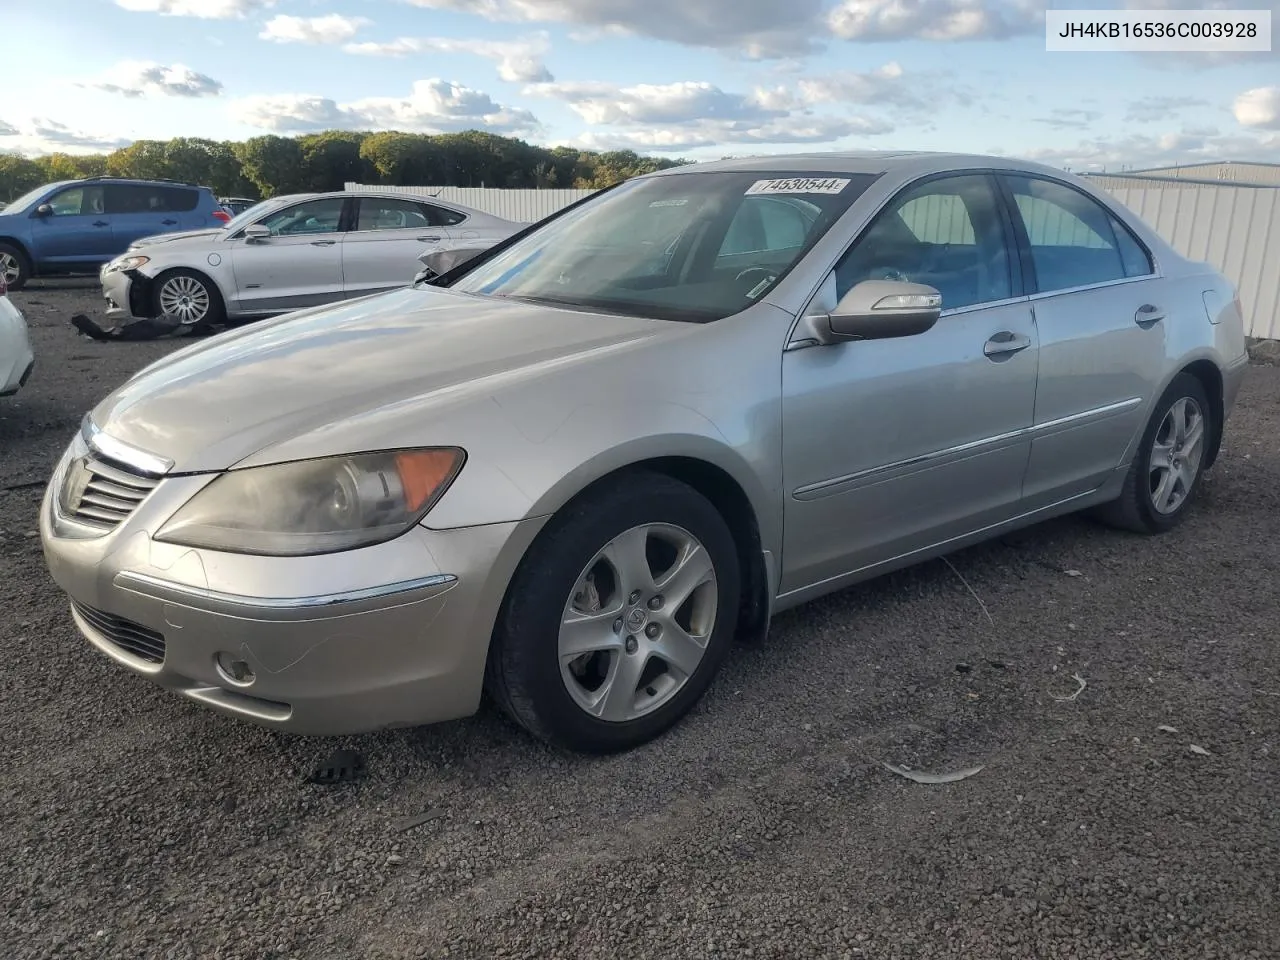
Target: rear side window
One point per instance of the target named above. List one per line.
(1137, 262)
(145, 198)
(1072, 236)
(443, 216)
(385, 214)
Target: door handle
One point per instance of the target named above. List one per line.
(101, 223)
(323, 243)
(1005, 344)
(430, 239)
(168, 223)
(1148, 315)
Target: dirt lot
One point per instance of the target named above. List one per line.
(137, 825)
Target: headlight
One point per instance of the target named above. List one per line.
(126, 263)
(315, 506)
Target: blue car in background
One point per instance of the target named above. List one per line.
(75, 226)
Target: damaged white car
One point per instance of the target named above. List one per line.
(291, 252)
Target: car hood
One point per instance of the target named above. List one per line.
(217, 402)
(176, 235)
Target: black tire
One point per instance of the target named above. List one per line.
(24, 265)
(523, 674)
(1134, 509)
(217, 312)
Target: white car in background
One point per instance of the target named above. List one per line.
(291, 252)
(16, 359)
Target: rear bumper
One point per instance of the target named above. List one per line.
(16, 358)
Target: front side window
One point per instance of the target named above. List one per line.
(946, 233)
(78, 202)
(380, 214)
(662, 247)
(303, 219)
(1072, 237)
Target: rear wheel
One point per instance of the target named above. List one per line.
(14, 266)
(190, 298)
(1166, 471)
(617, 621)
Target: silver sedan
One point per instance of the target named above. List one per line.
(291, 252)
(572, 470)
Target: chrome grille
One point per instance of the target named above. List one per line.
(130, 637)
(101, 494)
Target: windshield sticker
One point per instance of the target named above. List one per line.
(760, 287)
(799, 185)
(674, 202)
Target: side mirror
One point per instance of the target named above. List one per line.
(44, 210)
(256, 232)
(882, 309)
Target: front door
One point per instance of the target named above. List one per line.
(299, 265)
(78, 231)
(893, 446)
(1102, 342)
(382, 251)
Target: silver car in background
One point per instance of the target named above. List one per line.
(573, 469)
(291, 252)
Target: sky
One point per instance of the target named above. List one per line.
(683, 78)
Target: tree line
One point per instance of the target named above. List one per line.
(270, 165)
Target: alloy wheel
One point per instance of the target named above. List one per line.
(9, 268)
(1176, 455)
(637, 623)
(185, 298)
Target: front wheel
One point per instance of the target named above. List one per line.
(618, 619)
(1166, 470)
(190, 298)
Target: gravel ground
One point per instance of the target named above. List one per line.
(137, 825)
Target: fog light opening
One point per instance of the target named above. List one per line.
(233, 669)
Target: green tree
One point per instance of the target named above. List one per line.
(332, 159)
(18, 175)
(273, 164)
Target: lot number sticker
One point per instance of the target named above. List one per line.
(799, 185)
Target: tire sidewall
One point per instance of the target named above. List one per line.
(1183, 385)
(542, 587)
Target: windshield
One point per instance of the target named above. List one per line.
(246, 217)
(685, 246)
(29, 198)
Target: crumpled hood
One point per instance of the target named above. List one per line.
(213, 404)
(176, 235)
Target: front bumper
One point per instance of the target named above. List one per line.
(16, 358)
(386, 636)
(128, 294)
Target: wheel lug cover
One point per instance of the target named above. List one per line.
(652, 631)
(635, 596)
(617, 625)
(632, 645)
(655, 603)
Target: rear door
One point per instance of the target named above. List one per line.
(143, 210)
(1099, 314)
(389, 235)
(299, 265)
(78, 231)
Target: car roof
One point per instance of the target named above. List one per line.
(902, 162)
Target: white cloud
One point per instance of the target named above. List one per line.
(1160, 108)
(1141, 151)
(1064, 118)
(756, 28)
(688, 115)
(1259, 107)
(332, 28)
(434, 106)
(872, 20)
(40, 136)
(710, 133)
(519, 61)
(139, 78)
(204, 9)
